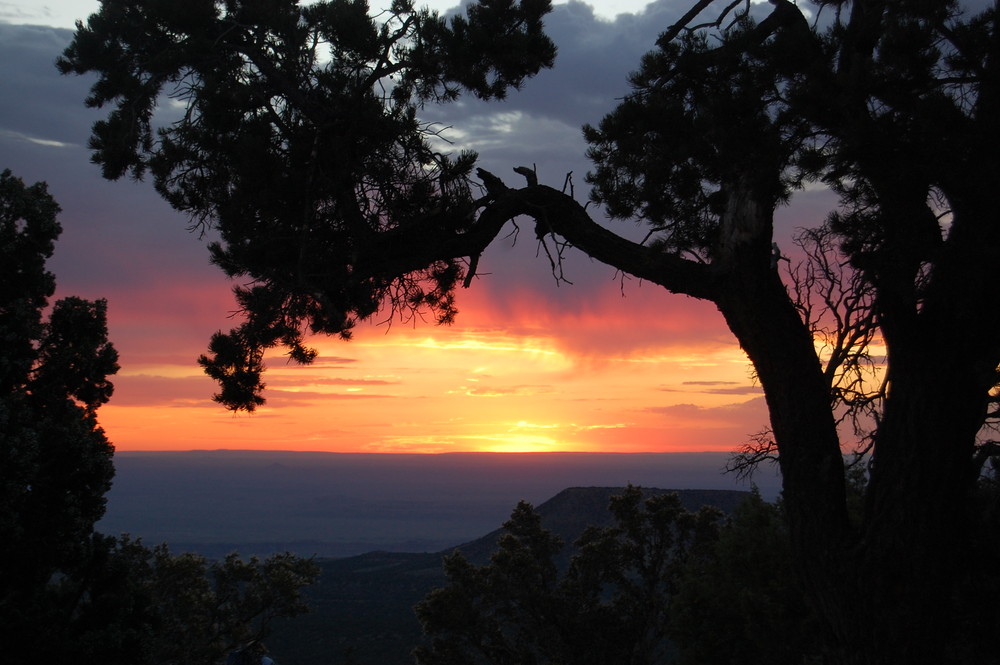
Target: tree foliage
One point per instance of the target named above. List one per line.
(506, 612)
(740, 602)
(300, 144)
(67, 593)
(55, 461)
(142, 605)
(891, 104)
(609, 605)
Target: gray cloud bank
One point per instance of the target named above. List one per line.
(120, 237)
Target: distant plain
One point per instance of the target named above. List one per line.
(344, 504)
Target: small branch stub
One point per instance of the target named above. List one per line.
(494, 185)
(529, 175)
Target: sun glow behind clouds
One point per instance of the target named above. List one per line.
(524, 437)
(477, 386)
(600, 366)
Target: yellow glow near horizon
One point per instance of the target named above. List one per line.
(522, 437)
(475, 387)
(519, 443)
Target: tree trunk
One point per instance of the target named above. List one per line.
(943, 359)
(758, 310)
(881, 590)
(915, 527)
(884, 593)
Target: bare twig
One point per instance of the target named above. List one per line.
(671, 33)
(568, 184)
(471, 272)
(760, 448)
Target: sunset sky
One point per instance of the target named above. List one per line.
(600, 365)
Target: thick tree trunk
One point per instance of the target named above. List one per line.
(798, 400)
(915, 529)
(760, 313)
(746, 287)
(943, 360)
(882, 591)
(885, 593)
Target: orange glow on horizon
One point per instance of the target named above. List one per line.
(528, 380)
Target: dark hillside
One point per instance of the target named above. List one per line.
(362, 611)
(571, 511)
(363, 605)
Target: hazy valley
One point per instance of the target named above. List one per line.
(338, 505)
(379, 524)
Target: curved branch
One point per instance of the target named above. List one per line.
(409, 248)
(562, 215)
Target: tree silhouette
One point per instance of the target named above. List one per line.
(609, 605)
(739, 602)
(302, 145)
(146, 605)
(67, 593)
(55, 461)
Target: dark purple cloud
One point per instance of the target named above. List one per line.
(714, 388)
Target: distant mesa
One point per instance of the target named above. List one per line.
(364, 604)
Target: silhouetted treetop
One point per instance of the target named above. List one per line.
(55, 460)
(298, 143)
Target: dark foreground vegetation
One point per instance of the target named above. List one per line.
(67, 593)
(362, 607)
(594, 575)
(305, 146)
